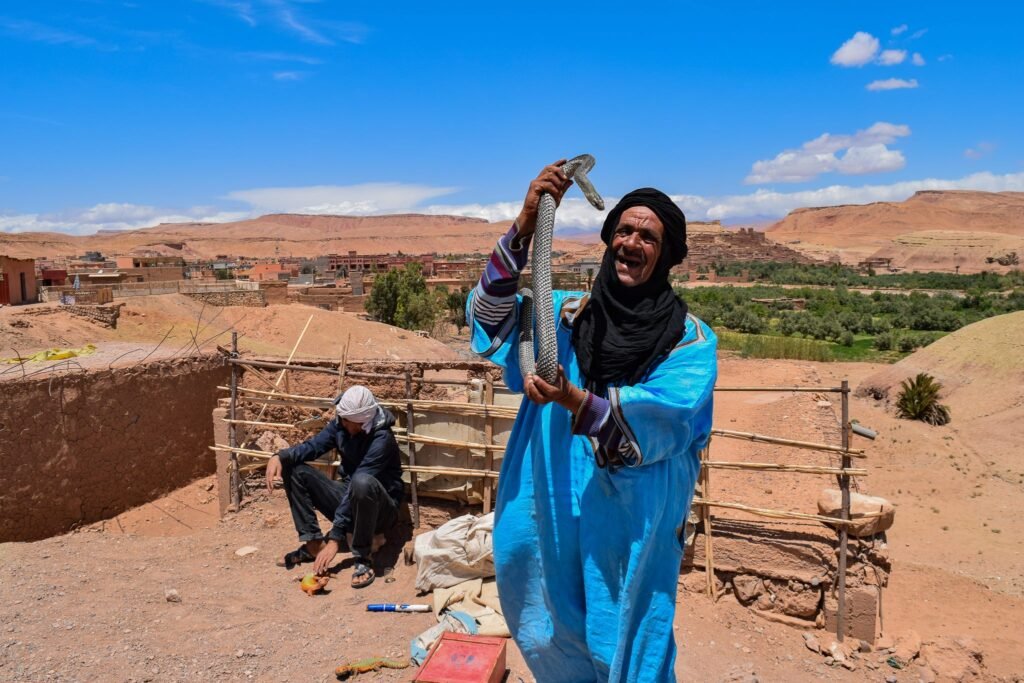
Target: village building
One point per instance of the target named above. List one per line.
(17, 281)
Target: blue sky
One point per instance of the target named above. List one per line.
(117, 114)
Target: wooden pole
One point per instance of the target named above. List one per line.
(488, 399)
(288, 362)
(410, 429)
(772, 467)
(343, 366)
(829, 390)
(761, 438)
(233, 474)
(785, 514)
(844, 485)
(709, 551)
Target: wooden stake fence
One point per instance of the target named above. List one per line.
(488, 411)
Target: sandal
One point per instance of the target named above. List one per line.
(295, 558)
(363, 575)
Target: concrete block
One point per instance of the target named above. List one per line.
(861, 612)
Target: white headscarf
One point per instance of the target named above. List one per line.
(357, 405)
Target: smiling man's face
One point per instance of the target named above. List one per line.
(637, 244)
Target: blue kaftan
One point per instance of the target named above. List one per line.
(588, 559)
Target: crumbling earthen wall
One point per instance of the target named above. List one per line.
(252, 298)
(78, 448)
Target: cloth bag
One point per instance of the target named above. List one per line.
(459, 550)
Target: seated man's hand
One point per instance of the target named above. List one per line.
(274, 469)
(325, 557)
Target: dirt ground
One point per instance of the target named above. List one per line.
(173, 325)
(91, 605)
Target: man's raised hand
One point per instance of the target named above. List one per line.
(552, 180)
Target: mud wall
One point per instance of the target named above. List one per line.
(255, 299)
(79, 448)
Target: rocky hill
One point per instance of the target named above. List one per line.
(933, 230)
(279, 235)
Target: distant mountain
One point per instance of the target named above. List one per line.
(278, 235)
(932, 230)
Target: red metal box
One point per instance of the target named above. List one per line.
(461, 658)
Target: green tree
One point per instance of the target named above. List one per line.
(455, 302)
(401, 298)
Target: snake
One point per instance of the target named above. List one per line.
(537, 312)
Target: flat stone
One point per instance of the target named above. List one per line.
(246, 550)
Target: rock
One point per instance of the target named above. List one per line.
(908, 645)
(748, 588)
(239, 653)
(884, 643)
(926, 675)
(830, 504)
(836, 650)
(246, 550)
(796, 599)
(812, 643)
(171, 595)
(891, 679)
(953, 660)
(864, 646)
(271, 442)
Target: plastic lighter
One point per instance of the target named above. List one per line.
(392, 607)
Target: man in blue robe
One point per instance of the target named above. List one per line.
(600, 468)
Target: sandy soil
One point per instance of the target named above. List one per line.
(91, 605)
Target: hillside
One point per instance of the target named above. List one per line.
(271, 331)
(933, 230)
(981, 368)
(279, 235)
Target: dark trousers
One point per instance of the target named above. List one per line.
(371, 510)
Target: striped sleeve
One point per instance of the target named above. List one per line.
(494, 297)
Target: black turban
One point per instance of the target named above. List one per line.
(623, 331)
(670, 215)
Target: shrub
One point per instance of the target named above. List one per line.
(919, 400)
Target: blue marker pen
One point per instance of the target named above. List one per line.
(392, 607)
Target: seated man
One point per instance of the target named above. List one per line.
(362, 504)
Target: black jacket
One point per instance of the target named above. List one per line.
(374, 453)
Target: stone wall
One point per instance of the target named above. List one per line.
(102, 315)
(81, 447)
(255, 299)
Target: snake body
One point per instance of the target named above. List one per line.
(541, 322)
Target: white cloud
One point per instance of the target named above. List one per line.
(577, 213)
(364, 199)
(945, 58)
(899, 29)
(982, 149)
(857, 51)
(290, 75)
(918, 33)
(112, 216)
(917, 59)
(865, 152)
(41, 33)
(892, 57)
(891, 84)
(574, 211)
